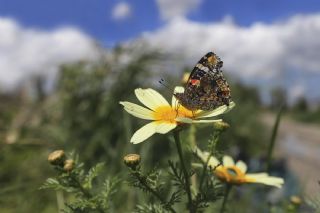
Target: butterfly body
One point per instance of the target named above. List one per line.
(206, 87)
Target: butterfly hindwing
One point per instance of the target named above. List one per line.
(206, 87)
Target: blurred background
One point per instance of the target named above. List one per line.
(65, 65)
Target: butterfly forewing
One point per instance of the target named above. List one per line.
(206, 87)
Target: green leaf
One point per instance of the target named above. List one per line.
(51, 183)
(109, 189)
(147, 208)
(93, 172)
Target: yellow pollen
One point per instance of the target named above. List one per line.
(169, 114)
(230, 174)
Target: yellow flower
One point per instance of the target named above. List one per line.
(235, 173)
(165, 117)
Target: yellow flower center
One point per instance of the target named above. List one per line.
(169, 114)
(230, 174)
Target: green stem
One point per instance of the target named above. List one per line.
(184, 170)
(85, 193)
(60, 201)
(192, 141)
(212, 147)
(204, 170)
(273, 138)
(142, 180)
(225, 198)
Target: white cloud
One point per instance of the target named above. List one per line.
(25, 52)
(176, 8)
(297, 91)
(258, 52)
(121, 11)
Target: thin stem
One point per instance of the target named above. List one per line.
(86, 193)
(60, 201)
(204, 170)
(225, 198)
(212, 147)
(184, 170)
(142, 180)
(273, 138)
(192, 141)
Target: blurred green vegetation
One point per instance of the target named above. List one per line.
(82, 114)
(301, 111)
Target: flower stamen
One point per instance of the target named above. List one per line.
(230, 174)
(168, 114)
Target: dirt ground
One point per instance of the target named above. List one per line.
(299, 143)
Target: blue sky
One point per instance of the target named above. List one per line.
(264, 42)
(94, 16)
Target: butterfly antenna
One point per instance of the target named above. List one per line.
(163, 83)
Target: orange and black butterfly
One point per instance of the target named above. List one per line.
(206, 88)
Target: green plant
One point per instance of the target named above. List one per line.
(72, 178)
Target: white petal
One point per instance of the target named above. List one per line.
(267, 180)
(184, 120)
(218, 111)
(257, 175)
(144, 133)
(227, 161)
(202, 155)
(174, 101)
(213, 162)
(272, 181)
(242, 166)
(206, 121)
(189, 120)
(179, 89)
(150, 98)
(164, 128)
(137, 111)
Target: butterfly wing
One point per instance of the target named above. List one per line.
(206, 64)
(216, 91)
(206, 87)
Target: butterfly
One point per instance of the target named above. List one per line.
(206, 88)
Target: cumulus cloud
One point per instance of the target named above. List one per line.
(121, 11)
(178, 8)
(257, 52)
(26, 52)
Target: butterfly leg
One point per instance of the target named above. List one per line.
(193, 113)
(177, 108)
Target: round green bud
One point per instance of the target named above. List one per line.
(68, 165)
(220, 126)
(132, 160)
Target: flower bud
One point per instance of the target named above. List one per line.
(12, 137)
(220, 126)
(57, 158)
(185, 77)
(295, 200)
(132, 160)
(68, 165)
